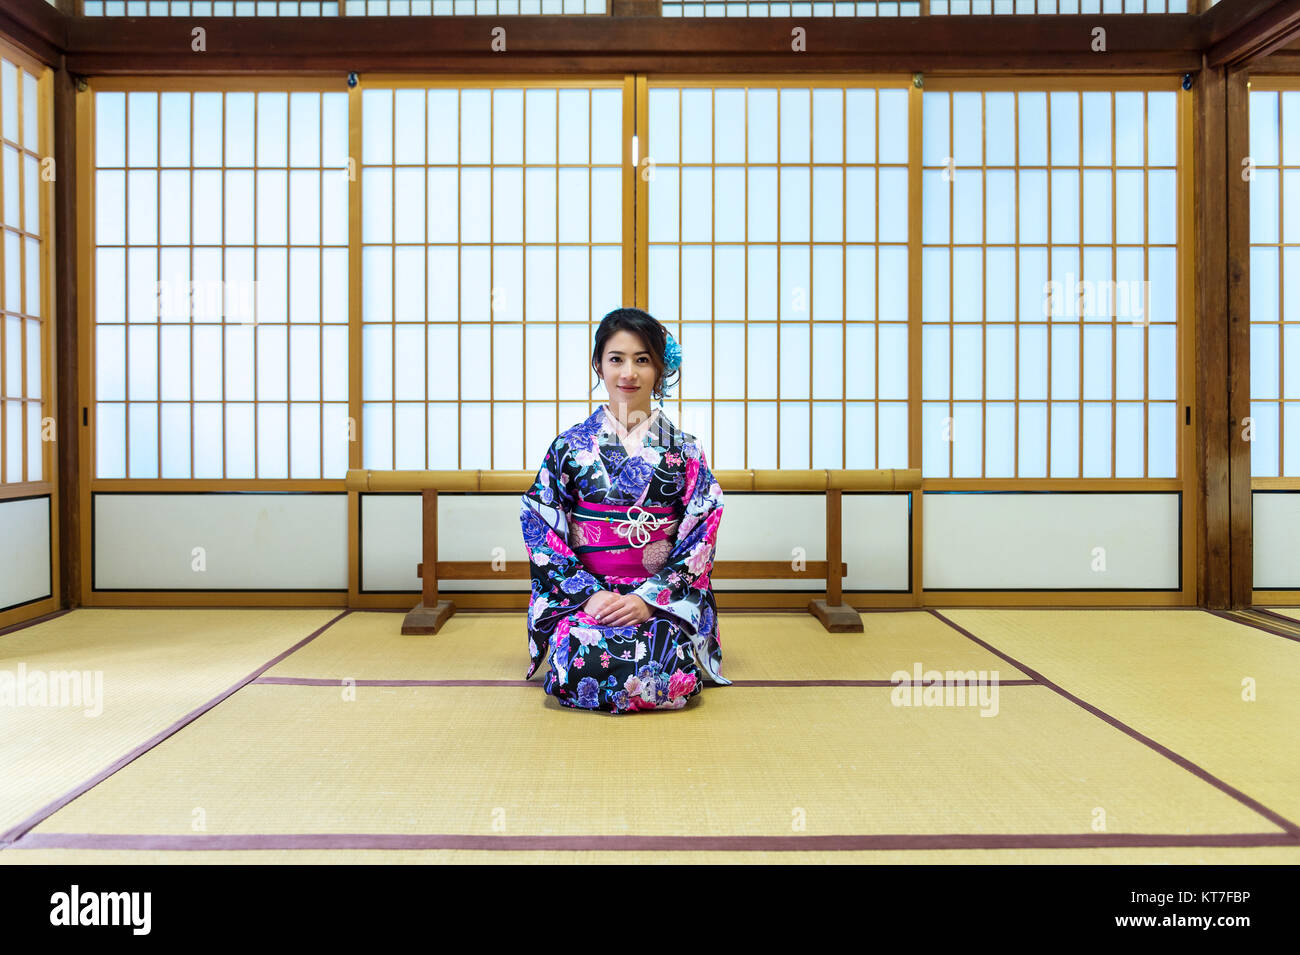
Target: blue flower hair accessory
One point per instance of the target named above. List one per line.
(672, 359)
(672, 353)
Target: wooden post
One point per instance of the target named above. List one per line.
(834, 615)
(67, 348)
(1241, 547)
(1214, 436)
(430, 613)
(1226, 571)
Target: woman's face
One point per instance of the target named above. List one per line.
(628, 371)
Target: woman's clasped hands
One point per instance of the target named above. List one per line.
(614, 610)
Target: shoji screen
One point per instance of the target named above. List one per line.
(777, 250)
(1275, 282)
(1050, 268)
(1274, 181)
(28, 502)
(221, 284)
(24, 392)
(493, 237)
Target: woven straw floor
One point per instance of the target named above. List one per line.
(265, 736)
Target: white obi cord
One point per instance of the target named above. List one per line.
(637, 529)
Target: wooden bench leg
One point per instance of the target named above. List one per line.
(430, 613)
(428, 619)
(836, 618)
(832, 612)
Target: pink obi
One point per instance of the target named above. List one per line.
(622, 540)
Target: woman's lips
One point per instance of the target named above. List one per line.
(625, 388)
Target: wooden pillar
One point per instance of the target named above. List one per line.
(1238, 289)
(1225, 566)
(1215, 432)
(66, 346)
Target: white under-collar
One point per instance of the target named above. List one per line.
(634, 439)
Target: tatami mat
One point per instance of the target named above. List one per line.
(785, 646)
(746, 761)
(156, 666)
(1177, 677)
(428, 762)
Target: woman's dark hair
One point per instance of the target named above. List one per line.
(648, 329)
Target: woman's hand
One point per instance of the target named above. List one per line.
(616, 611)
(598, 602)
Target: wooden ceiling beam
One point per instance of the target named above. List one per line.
(1232, 32)
(1236, 32)
(1228, 16)
(1159, 43)
(1030, 63)
(35, 26)
(1286, 62)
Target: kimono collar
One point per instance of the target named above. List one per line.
(634, 439)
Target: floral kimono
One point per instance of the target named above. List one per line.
(629, 513)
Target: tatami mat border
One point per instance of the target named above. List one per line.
(1257, 625)
(34, 621)
(1281, 618)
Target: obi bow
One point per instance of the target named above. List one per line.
(637, 528)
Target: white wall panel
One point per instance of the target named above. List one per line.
(24, 550)
(1049, 541)
(754, 527)
(875, 547)
(1277, 531)
(249, 541)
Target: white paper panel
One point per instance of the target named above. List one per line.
(250, 541)
(24, 551)
(1031, 541)
(754, 527)
(1277, 528)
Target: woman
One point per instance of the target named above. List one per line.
(621, 526)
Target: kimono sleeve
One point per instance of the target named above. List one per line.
(682, 586)
(560, 582)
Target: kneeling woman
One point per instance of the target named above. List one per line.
(621, 527)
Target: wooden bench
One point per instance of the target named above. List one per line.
(431, 613)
